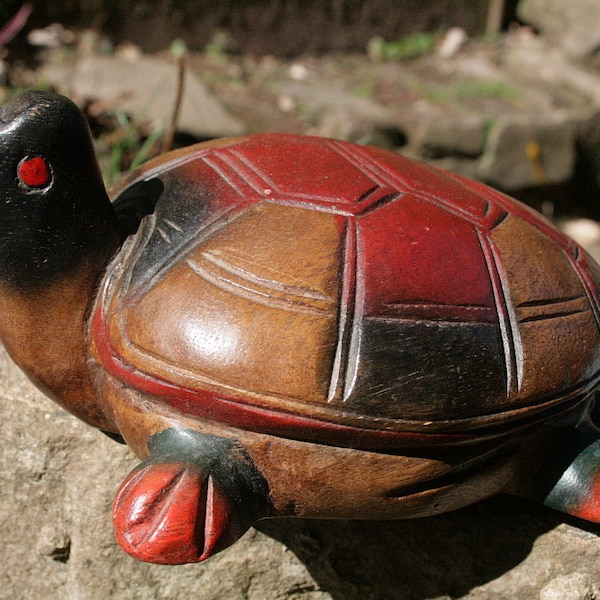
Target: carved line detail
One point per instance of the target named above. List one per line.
(549, 301)
(499, 220)
(453, 476)
(246, 171)
(556, 315)
(346, 310)
(254, 295)
(236, 164)
(388, 178)
(354, 344)
(172, 225)
(439, 312)
(509, 331)
(587, 283)
(365, 163)
(206, 230)
(268, 284)
(259, 181)
(365, 195)
(133, 247)
(224, 173)
(538, 310)
(382, 202)
(163, 234)
(333, 209)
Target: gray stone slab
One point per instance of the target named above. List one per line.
(145, 88)
(572, 24)
(524, 151)
(463, 135)
(334, 112)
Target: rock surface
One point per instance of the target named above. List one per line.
(146, 88)
(58, 478)
(573, 25)
(526, 150)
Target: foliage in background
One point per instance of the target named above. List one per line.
(404, 48)
(462, 90)
(126, 147)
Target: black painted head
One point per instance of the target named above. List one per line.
(54, 210)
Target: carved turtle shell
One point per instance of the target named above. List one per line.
(375, 302)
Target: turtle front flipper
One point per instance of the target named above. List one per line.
(567, 477)
(195, 495)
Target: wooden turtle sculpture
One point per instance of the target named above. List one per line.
(282, 325)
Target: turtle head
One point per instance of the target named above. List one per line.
(54, 210)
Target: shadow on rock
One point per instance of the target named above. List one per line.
(447, 555)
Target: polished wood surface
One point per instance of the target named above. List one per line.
(285, 325)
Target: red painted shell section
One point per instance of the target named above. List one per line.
(426, 267)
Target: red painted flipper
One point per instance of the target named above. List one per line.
(182, 505)
(171, 514)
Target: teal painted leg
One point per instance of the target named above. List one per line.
(577, 492)
(569, 477)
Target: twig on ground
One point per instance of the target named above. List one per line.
(179, 51)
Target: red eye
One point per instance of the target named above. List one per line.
(34, 172)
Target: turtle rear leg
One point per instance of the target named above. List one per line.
(195, 495)
(568, 477)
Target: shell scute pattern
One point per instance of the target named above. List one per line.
(409, 286)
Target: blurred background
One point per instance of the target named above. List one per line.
(504, 91)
